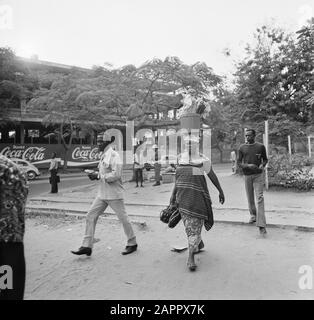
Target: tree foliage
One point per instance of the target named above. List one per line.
(274, 82)
(17, 83)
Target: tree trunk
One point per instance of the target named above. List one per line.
(221, 153)
(65, 163)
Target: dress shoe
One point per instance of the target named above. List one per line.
(83, 250)
(129, 249)
(192, 267)
(262, 231)
(156, 184)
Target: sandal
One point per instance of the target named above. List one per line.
(200, 247)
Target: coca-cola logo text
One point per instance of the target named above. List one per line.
(30, 154)
(86, 154)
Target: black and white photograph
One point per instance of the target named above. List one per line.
(156, 151)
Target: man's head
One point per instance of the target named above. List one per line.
(104, 140)
(250, 135)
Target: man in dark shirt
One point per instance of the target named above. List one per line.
(252, 159)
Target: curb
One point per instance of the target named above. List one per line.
(164, 205)
(57, 213)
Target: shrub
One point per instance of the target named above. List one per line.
(291, 173)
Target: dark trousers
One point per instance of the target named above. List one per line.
(139, 176)
(54, 181)
(157, 167)
(12, 254)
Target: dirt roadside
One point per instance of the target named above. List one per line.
(236, 263)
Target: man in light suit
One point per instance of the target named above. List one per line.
(110, 192)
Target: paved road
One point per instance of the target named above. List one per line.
(42, 185)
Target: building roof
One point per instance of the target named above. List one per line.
(36, 63)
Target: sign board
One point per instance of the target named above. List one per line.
(79, 156)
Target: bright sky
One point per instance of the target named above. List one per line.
(86, 33)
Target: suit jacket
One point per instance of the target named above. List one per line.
(110, 176)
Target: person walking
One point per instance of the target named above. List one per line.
(110, 193)
(54, 178)
(252, 159)
(13, 196)
(191, 196)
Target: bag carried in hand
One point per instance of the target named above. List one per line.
(165, 214)
(170, 215)
(174, 219)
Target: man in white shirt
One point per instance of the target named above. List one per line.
(110, 192)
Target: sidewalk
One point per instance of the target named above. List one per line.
(45, 175)
(283, 208)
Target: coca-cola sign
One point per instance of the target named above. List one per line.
(30, 154)
(86, 154)
(40, 155)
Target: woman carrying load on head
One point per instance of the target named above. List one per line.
(191, 195)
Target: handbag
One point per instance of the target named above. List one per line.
(174, 219)
(170, 215)
(165, 214)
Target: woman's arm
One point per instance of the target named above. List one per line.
(173, 196)
(213, 178)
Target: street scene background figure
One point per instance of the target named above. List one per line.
(252, 159)
(233, 159)
(53, 169)
(139, 161)
(157, 167)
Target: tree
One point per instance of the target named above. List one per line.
(161, 82)
(141, 93)
(60, 108)
(274, 80)
(16, 83)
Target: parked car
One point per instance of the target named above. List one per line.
(31, 171)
